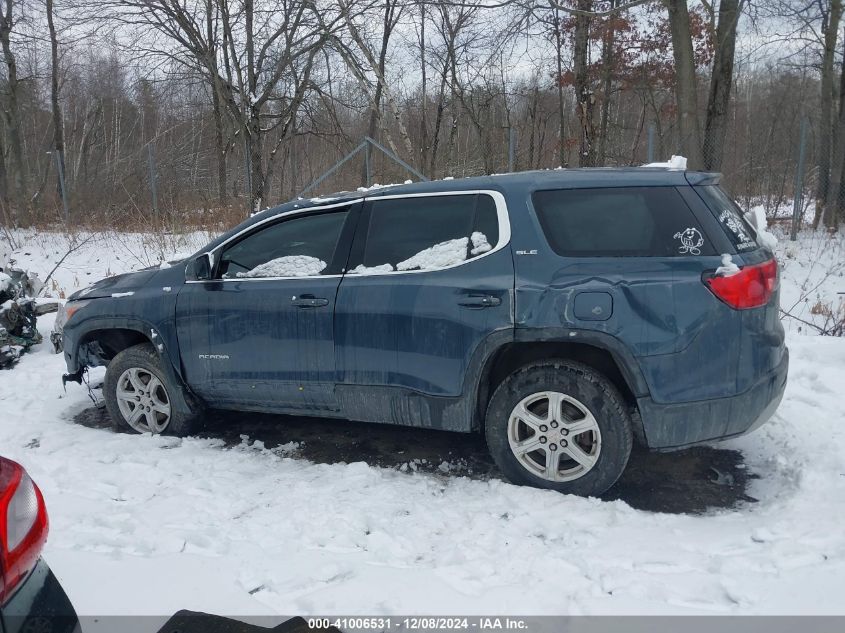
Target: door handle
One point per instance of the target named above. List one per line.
(483, 301)
(308, 302)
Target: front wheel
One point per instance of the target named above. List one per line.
(559, 425)
(139, 397)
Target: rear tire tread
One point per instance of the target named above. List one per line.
(610, 410)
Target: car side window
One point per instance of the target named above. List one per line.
(427, 232)
(303, 246)
(619, 222)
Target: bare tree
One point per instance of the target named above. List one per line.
(584, 97)
(58, 122)
(721, 79)
(831, 14)
(835, 202)
(689, 128)
(11, 109)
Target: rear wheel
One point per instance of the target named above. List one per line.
(139, 398)
(559, 425)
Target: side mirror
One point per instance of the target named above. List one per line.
(203, 266)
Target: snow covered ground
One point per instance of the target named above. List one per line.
(150, 525)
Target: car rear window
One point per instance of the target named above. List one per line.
(730, 216)
(619, 222)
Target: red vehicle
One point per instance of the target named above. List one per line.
(31, 598)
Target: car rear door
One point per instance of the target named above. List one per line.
(261, 333)
(429, 280)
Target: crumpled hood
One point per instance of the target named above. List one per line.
(119, 283)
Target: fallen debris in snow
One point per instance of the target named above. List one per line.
(18, 314)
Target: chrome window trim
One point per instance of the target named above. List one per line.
(501, 213)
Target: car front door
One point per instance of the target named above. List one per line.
(260, 333)
(429, 280)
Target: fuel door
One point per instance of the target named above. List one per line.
(593, 306)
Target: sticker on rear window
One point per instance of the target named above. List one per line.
(734, 224)
(691, 241)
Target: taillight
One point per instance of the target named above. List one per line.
(751, 287)
(23, 526)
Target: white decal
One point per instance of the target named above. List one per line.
(735, 225)
(691, 241)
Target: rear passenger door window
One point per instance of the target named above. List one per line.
(426, 233)
(619, 222)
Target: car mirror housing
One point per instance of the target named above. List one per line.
(201, 267)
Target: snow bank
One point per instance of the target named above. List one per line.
(234, 529)
(288, 266)
(812, 272)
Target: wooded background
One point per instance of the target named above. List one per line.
(173, 113)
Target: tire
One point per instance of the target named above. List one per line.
(590, 438)
(127, 390)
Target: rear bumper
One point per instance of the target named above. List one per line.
(40, 604)
(673, 426)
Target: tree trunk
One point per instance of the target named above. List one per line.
(721, 81)
(11, 113)
(219, 144)
(382, 82)
(255, 146)
(5, 214)
(583, 92)
(375, 108)
(58, 125)
(560, 106)
(834, 202)
(211, 16)
(830, 28)
(607, 72)
(438, 121)
(423, 94)
(685, 84)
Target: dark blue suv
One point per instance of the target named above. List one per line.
(562, 313)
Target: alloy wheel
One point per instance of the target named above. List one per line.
(143, 400)
(554, 436)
